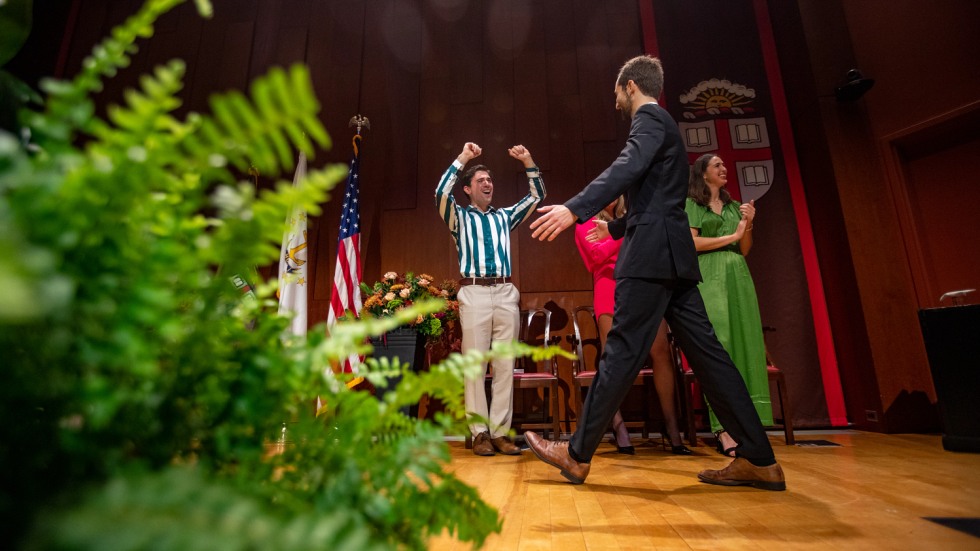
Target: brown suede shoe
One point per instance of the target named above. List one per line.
(482, 445)
(742, 473)
(556, 455)
(505, 445)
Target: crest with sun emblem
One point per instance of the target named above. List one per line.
(718, 118)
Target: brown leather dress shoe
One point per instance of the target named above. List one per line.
(482, 445)
(505, 445)
(742, 473)
(556, 455)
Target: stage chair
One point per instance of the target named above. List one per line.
(538, 375)
(685, 393)
(775, 375)
(584, 373)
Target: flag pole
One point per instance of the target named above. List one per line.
(346, 293)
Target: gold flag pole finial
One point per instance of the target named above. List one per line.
(359, 121)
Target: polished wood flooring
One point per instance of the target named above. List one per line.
(872, 492)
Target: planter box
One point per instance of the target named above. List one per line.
(406, 344)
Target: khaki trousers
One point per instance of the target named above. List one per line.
(489, 314)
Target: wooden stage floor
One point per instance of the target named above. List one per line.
(871, 492)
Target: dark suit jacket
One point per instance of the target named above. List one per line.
(652, 171)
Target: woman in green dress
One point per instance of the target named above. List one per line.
(722, 230)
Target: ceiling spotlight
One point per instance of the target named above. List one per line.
(854, 86)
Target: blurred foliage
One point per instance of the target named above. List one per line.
(15, 26)
(143, 401)
(15, 20)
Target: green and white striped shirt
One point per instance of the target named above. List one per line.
(482, 240)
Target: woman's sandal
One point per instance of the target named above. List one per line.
(730, 452)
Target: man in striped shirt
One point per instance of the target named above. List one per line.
(488, 301)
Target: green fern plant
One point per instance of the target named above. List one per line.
(140, 396)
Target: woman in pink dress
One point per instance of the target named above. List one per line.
(600, 256)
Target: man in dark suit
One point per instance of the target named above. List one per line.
(656, 278)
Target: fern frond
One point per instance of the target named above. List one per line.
(261, 132)
(180, 510)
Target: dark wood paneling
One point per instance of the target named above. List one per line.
(921, 55)
(933, 178)
(281, 34)
(597, 70)
(393, 92)
(178, 36)
(333, 54)
(565, 178)
(560, 43)
(90, 28)
(222, 62)
(531, 84)
(465, 56)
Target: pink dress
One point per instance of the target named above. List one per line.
(600, 259)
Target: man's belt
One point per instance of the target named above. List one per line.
(485, 281)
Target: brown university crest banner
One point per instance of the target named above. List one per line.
(724, 88)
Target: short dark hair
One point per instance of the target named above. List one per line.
(468, 174)
(646, 72)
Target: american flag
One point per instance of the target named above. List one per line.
(346, 294)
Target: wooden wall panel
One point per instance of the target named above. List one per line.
(178, 36)
(333, 54)
(222, 62)
(927, 58)
(597, 70)
(531, 84)
(281, 34)
(89, 29)
(933, 167)
(395, 95)
(560, 43)
(549, 271)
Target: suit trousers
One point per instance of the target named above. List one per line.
(641, 304)
(489, 314)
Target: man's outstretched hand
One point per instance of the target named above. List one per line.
(554, 220)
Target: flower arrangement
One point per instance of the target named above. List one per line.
(396, 291)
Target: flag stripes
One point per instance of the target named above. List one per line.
(346, 293)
